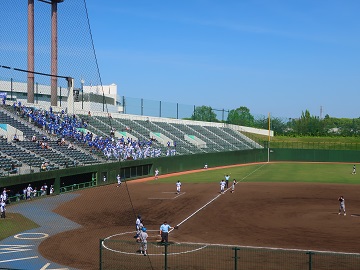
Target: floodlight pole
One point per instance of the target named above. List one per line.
(54, 52)
(30, 54)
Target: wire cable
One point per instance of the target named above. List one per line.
(96, 61)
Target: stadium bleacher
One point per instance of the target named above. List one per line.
(92, 138)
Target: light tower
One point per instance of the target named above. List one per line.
(54, 55)
(30, 55)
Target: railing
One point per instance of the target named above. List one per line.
(119, 254)
(79, 186)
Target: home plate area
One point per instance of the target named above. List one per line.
(166, 195)
(120, 243)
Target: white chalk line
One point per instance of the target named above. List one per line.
(19, 259)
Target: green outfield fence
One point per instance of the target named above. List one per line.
(119, 254)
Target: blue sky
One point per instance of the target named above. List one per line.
(273, 56)
(278, 56)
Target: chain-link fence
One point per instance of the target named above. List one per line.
(119, 254)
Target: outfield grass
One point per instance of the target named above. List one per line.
(15, 223)
(275, 172)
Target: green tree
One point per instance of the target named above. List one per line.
(241, 116)
(204, 113)
(276, 124)
(308, 125)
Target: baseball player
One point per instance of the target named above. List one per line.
(137, 226)
(29, 191)
(233, 186)
(3, 196)
(45, 189)
(164, 232)
(342, 205)
(143, 241)
(51, 189)
(222, 186)
(178, 187)
(2, 209)
(227, 177)
(354, 169)
(118, 178)
(156, 173)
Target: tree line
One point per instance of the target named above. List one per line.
(305, 125)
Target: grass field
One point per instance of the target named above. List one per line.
(15, 223)
(276, 172)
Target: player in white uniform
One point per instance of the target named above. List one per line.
(342, 205)
(29, 191)
(118, 180)
(137, 226)
(3, 196)
(178, 187)
(51, 189)
(156, 173)
(143, 241)
(354, 169)
(222, 186)
(233, 186)
(2, 209)
(45, 188)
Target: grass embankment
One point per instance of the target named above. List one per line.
(335, 143)
(15, 223)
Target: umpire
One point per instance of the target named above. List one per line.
(164, 232)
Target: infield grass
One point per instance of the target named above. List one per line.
(15, 223)
(275, 172)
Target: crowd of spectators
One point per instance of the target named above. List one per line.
(70, 130)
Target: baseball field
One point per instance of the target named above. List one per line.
(277, 205)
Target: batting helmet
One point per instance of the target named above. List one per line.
(143, 229)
